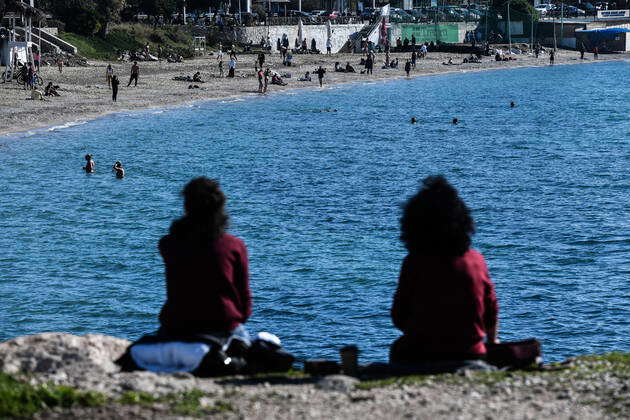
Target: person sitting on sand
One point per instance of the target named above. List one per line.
(394, 64)
(338, 68)
(277, 80)
(36, 94)
(349, 68)
(90, 165)
(118, 169)
(197, 78)
(207, 270)
(306, 78)
(51, 90)
(445, 302)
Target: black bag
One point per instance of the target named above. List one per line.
(264, 356)
(517, 354)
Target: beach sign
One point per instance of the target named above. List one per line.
(613, 14)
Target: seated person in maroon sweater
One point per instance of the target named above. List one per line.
(207, 278)
(445, 303)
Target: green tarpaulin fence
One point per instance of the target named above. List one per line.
(431, 32)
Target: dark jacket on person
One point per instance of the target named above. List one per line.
(207, 287)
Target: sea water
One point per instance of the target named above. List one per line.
(315, 180)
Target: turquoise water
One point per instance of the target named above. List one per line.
(316, 195)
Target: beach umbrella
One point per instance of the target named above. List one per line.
(300, 30)
(328, 29)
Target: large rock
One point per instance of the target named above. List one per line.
(337, 383)
(54, 352)
(87, 363)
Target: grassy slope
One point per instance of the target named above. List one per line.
(128, 37)
(18, 399)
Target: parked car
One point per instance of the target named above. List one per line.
(589, 9)
(544, 8)
(303, 15)
(368, 12)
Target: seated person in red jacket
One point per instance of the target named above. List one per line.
(207, 278)
(445, 303)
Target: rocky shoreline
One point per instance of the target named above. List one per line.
(588, 387)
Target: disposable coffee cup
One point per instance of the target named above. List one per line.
(350, 360)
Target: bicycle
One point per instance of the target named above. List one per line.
(37, 79)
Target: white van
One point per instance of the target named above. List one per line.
(543, 8)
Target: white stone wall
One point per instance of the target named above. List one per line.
(340, 34)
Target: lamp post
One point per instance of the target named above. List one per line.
(561, 23)
(509, 28)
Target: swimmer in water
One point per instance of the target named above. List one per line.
(89, 165)
(120, 171)
(413, 120)
(455, 121)
(512, 104)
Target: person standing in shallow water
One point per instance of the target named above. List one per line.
(89, 164)
(445, 302)
(207, 269)
(119, 170)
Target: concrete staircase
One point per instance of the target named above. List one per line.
(49, 42)
(365, 32)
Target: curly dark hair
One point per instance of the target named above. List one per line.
(436, 221)
(205, 219)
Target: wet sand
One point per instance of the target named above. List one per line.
(85, 94)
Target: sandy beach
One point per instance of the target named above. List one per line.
(85, 94)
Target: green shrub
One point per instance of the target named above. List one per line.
(19, 399)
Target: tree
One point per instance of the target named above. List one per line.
(156, 8)
(108, 11)
(80, 16)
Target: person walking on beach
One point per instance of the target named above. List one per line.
(119, 170)
(220, 52)
(369, 63)
(320, 75)
(231, 67)
(89, 164)
(135, 71)
(582, 50)
(552, 57)
(266, 83)
(328, 46)
(595, 53)
(260, 73)
(30, 72)
(36, 58)
(60, 64)
(109, 72)
(407, 67)
(221, 69)
(115, 83)
(414, 56)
